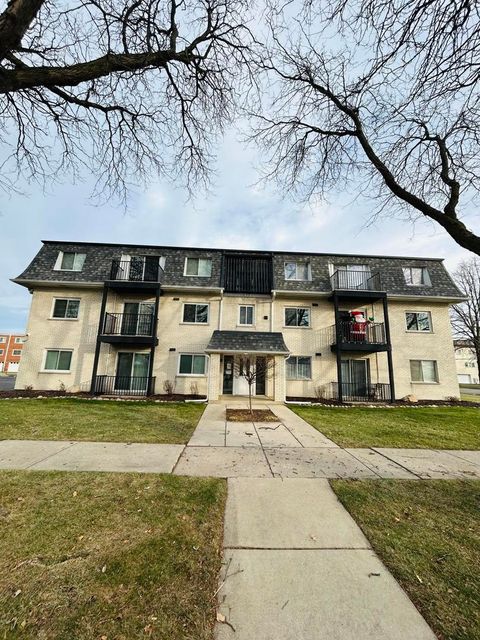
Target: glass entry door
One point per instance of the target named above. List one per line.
(141, 268)
(355, 377)
(138, 318)
(132, 371)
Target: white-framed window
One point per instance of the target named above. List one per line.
(17, 352)
(58, 360)
(417, 276)
(195, 313)
(70, 261)
(19, 340)
(2, 339)
(2, 352)
(246, 314)
(297, 271)
(299, 368)
(297, 316)
(423, 371)
(418, 321)
(200, 267)
(192, 364)
(65, 308)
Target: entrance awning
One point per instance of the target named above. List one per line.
(247, 342)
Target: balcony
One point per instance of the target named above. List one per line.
(354, 337)
(143, 272)
(128, 328)
(348, 283)
(359, 392)
(124, 385)
(244, 273)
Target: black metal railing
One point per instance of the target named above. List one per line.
(128, 324)
(353, 280)
(359, 333)
(360, 392)
(124, 385)
(136, 270)
(247, 274)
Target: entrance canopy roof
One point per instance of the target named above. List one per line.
(247, 342)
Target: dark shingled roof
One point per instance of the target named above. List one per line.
(96, 268)
(247, 342)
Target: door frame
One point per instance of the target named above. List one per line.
(134, 353)
(366, 367)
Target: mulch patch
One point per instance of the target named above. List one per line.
(257, 415)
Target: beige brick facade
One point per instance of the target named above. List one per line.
(176, 337)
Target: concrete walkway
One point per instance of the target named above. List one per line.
(289, 448)
(213, 429)
(292, 448)
(296, 566)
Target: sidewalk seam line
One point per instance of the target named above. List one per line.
(263, 450)
(72, 444)
(240, 548)
(178, 459)
(399, 463)
(454, 455)
(364, 464)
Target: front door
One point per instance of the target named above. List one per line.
(240, 383)
(132, 372)
(355, 378)
(260, 364)
(228, 375)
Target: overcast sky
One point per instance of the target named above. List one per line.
(235, 214)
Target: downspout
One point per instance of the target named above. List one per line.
(272, 310)
(220, 311)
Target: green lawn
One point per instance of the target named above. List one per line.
(428, 535)
(407, 427)
(117, 556)
(73, 419)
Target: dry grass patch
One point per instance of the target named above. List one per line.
(103, 421)
(408, 427)
(256, 415)
(120, 556)
(428, 535)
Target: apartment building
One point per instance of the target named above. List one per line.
(11, 350)
(134, 320)
(466, 362)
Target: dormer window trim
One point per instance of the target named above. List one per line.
(300, 265)
(206, 262)
(77, 264)
(409, 278)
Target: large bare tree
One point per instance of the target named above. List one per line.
(382, 93)
(466, 316)
(122, 88)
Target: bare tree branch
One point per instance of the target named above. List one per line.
(127, 89)
(358, 109)
(466, 316)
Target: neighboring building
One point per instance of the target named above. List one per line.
(128, 319)
(11, 349)
(466, 361)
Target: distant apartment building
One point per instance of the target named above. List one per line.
(11, 349)
(466, 362)
(136, 320)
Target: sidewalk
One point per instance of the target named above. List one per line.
(296, 565)
(289, 448)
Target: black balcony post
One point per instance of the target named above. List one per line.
(153, 343)
(338, 332)
(389, 349)
(99, 342)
